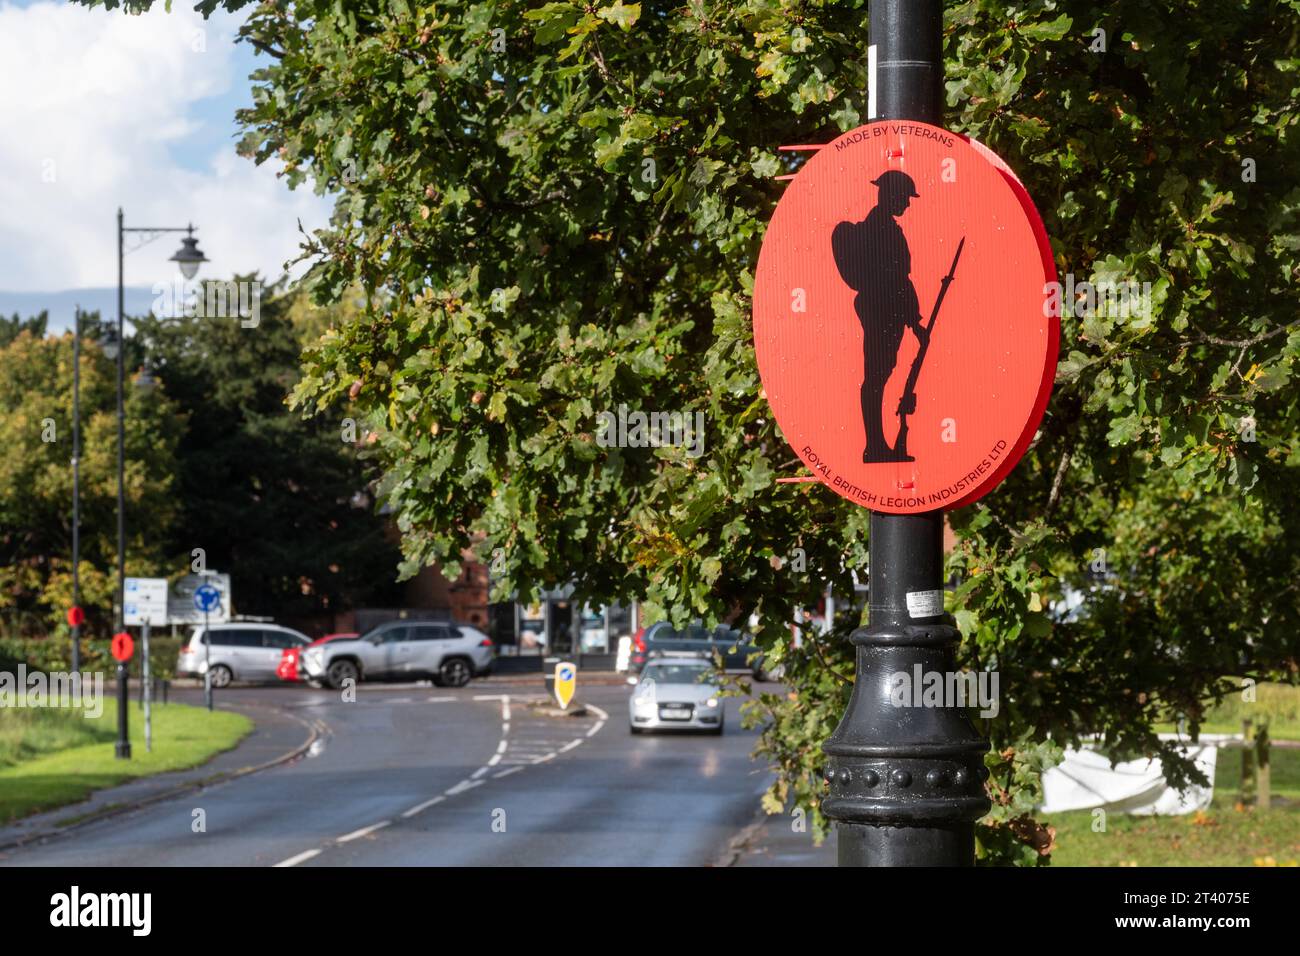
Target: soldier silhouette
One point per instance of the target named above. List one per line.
(874, 260)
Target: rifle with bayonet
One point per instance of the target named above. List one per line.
(907, 403)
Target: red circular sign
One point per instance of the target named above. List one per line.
(76, 616)
(123, 647)
(903, 318)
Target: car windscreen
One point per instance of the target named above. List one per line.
(280, 640)
(692, 632)
(678, 674)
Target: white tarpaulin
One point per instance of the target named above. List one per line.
(1085, 780)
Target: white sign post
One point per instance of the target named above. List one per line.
(145, 603)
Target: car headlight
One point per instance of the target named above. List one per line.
(711, 702)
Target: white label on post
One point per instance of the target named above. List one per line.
(871, 82)
(924, 603)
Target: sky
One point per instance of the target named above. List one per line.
(98, 110)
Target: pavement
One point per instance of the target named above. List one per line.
(780, 840)
(416, 775)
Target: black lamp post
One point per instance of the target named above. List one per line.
(75, 622)
(188, 257)
(905, 785)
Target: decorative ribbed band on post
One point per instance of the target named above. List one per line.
(903, 765)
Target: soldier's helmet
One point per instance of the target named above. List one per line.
(895, 182)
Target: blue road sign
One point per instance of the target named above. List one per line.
(207, 598)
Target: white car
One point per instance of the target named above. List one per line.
(676, 693)
(449, 654)
(239, 651)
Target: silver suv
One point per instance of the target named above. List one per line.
(449, 654)
(239, 651)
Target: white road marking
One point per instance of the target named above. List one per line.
(364, 831)
(421, 807)
(542, 743)
(521, 756)
(463, 786)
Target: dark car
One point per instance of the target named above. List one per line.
(736, 648)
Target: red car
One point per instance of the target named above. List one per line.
(288, 666)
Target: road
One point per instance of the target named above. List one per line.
(422, 776)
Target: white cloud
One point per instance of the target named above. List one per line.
(97, 110)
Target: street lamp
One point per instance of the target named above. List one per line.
(74, 614)
(188, 257)
(109, 341)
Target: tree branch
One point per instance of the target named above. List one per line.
(1244, 343)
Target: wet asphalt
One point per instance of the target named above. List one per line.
(413, 775)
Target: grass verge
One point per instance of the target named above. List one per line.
(53, 756)
(1278, 704)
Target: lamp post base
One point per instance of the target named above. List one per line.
(906, 846)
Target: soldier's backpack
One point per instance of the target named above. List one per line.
(851, 243)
